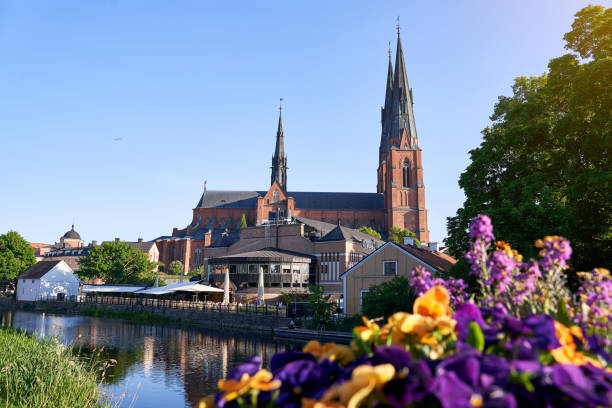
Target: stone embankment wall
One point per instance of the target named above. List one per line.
(207, 319)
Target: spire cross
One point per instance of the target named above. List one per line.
(280, 108)
(389, 49)
(398, 26)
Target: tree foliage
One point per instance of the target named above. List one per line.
(16, 255)
(243, 221)
(176, 268)
(543, 167)
(117, 263)
(397, 235)
(322, 308)
(370, 231)
(395, 295)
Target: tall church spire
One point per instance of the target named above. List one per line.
(279, 160)
(403, 117)
(385, 114)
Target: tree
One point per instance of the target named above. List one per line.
(117, 263)
(199, 271)
(16, 255)
(243, 221)
(370, 231)
(395, 295)
(322, 307)
(397, 235)
(543, 167)
(176, 268)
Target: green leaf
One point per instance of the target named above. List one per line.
(475, 338)
(562, 315)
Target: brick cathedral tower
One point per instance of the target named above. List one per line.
(400, 171)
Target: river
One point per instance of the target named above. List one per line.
(157, 366)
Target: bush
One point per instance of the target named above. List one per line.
(43, 374)
(387, 298)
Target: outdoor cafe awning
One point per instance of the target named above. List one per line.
(111, 288)
(194, 287)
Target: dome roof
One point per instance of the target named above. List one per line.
(72, 234)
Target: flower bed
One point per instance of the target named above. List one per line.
(525, 343)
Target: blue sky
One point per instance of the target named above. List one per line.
(191, 88)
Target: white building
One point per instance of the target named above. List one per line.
(47, 280)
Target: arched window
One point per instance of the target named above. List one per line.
(406, 173)
(275, 196)
(198, 254)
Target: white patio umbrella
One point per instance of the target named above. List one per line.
(260, 288)
(226, 298)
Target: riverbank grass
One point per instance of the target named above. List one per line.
(44, 374)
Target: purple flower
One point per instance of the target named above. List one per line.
(465, 313)
(555, 250)
(481, 228)
(299, 379)
(583, 386)
(414, 382)
(501, 266)
(279, 360)
(250, 367)
(421, 281)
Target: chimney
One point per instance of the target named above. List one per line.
(434, 246)
(139, 239)
(408, 241)
(117, 239)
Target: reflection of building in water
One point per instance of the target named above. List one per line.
(147, 355)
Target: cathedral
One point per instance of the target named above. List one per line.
(399, 200)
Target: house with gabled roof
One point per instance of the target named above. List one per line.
(385, 263)
(47, 280)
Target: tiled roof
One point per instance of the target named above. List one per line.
(144, 246)
(332, 232)
(38, 270)
(68, 251)
(263, 255)
(36, 245)
(442, 262)
(303, 199)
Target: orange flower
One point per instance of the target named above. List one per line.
(567, 354)
(422, 327)
(434, 303)
(329, 351)
(261, 380)
(364, 380)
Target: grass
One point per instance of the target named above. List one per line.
(45, 374)
(134, 317)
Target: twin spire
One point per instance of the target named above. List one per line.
(397, 113)
(279, 160)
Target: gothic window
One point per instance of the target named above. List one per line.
(198, 254)
(275, 196)
(406, 173)
(172, 256)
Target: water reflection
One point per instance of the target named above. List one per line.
(168, 366)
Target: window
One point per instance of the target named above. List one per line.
(32, 280)
(198, 254)
(389, 268)
(362, 292)
(406, 174)
(275, 196)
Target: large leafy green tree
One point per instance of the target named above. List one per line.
(16, 255)
(116, 263)
(543, 167)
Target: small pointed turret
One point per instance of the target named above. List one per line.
(279, 160)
